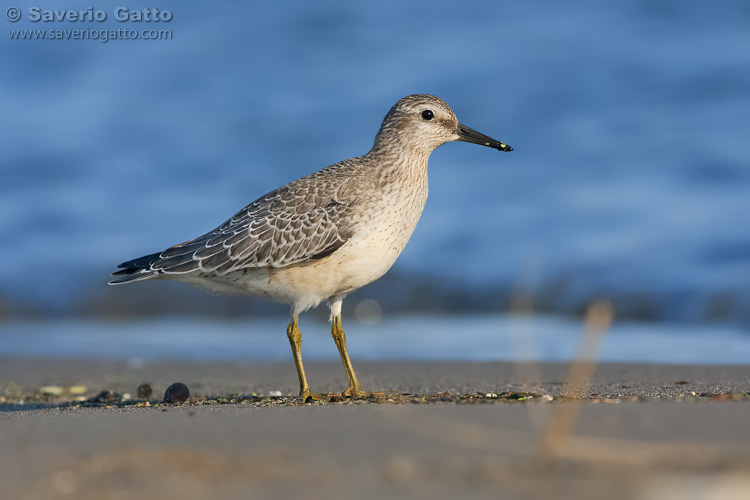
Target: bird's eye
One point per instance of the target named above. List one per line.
(428, 114)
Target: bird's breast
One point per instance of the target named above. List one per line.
(381, 228)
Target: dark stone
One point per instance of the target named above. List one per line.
(176, 393)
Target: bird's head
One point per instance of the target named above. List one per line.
(423, 121)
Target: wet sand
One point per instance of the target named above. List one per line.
(641, 431)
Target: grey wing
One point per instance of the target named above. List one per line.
(284, 227)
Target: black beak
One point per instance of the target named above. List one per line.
(467, 134)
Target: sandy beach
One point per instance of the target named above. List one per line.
(640, 431)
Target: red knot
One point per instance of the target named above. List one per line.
(324, 235)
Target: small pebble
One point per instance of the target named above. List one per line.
(107, 397)
(144, 391)
(176, 393)
(274, 394)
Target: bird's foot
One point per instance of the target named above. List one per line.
(308, 396)
(355, 392)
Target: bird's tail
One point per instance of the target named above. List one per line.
(136, 269)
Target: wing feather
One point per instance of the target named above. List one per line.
(283, 228)
(302, 221)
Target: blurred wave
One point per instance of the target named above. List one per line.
(423, 337)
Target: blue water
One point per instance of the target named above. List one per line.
(630, 122)
(466, 338)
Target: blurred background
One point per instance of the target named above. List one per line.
(630, 179)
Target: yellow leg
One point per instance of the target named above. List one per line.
(295, 340)
(354, 390)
